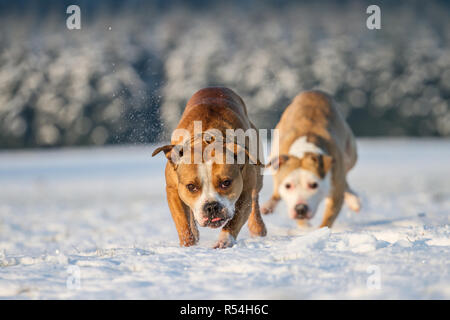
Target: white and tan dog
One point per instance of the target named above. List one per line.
(212, 192)
(316, 151)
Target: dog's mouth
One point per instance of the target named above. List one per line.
(303, 216)
(308, 216)
(216, 222)
(213, 222)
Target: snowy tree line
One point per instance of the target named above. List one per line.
(127, 74)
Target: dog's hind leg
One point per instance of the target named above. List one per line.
(351, 199)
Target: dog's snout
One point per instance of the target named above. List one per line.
(214, 215)
(301, 210)
(212, 208)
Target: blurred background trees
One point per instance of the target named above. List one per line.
(127, 74)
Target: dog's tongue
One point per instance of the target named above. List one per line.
(215, 219)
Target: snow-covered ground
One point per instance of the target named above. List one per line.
(101, 214)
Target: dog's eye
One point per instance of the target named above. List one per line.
(288, 185)
(192, 187)
(313, 185)
(225, 184)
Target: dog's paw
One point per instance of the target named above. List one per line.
(268, 207)
(226, 240)
(352, 201)
(266, 210)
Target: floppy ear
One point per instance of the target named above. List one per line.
(172, 152)
(277, 162)
(320, 162)
(167, 149)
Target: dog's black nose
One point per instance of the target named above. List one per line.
(302, 210)
(212, 208)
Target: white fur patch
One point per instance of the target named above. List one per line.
(299, 192)
(209, 193)
(301, 146)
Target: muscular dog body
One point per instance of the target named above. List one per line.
(316, 151)
(212, 193)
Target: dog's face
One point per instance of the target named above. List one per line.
(303, 183)
(211, 187)
(210, 190)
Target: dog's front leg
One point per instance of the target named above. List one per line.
(186, 228)
(269, 206)
(333, 205)
(229, 233)
(335, 200)
(255, 221)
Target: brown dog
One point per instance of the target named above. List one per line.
(212, 191)
(316, 151)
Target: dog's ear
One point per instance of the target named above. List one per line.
(167, 149)
(321, 163)
(277, 162)
(172, 152)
